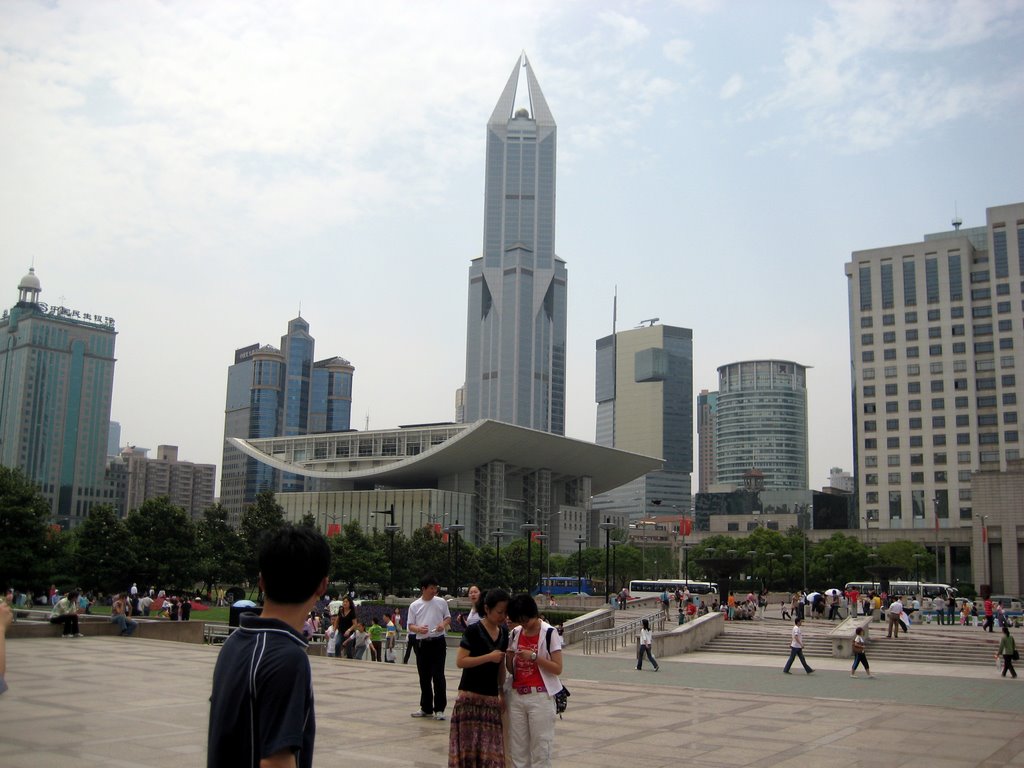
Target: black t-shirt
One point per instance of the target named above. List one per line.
(262, 700)
(482, 679)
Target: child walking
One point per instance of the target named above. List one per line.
(645, 647)
(859, 657)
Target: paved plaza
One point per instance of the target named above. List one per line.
(108, 701)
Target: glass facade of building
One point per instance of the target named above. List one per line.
(762, 423)
(516, 326)
(57, 369)
(279, 392)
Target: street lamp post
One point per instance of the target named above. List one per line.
(498, 536)
(454, 528)
(541, 537)
(752, 554)
(936, 502)
(580, 541)
(828, 561)
(607, 526)
(771, 559)
(789, 573)
(528, 528)
(984, 553)
(917, 568)
(391, 529)
(615, 545)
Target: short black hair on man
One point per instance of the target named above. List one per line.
(522, 608)
(428, 581)
(293, 562)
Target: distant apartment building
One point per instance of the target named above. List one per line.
(707, 414)
(187, 485)
(57, 373)
(840, 480)
(936, 337)
(761, 424)
(645, 405)
(282, 392)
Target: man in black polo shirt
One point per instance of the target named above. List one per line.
(261, 709)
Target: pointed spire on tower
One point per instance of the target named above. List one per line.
(539, 109)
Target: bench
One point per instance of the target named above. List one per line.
(216, 633)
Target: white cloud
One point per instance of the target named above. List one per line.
(872, 71)
(678, 51)
(626, 30)
(731, 87)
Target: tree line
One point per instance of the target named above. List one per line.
(160, 545)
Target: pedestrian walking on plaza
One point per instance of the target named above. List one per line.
(990, 617)
(796, 649)
(859, 657)
(644, 647)
(939, 604)
(477, 737)
(535, 661)
(429, 619)
(1008, 650)
(261, 707)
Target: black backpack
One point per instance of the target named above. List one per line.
(562, 697)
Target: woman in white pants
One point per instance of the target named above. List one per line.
(534, 662)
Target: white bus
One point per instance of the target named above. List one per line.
(905, 588)
(654, 588)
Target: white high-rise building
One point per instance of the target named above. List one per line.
(936, 338)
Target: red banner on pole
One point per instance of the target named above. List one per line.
(333, 529)
(685, 526)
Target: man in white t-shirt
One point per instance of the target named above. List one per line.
(429, 620)
(895, 611)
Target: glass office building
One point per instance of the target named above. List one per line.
(644, 392)
(761, 424)
(57, 369)
(516, 329)
(275, 392)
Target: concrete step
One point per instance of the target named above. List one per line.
(912, 648)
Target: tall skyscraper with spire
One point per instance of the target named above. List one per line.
(515, 345)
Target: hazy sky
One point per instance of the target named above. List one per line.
(200, 170)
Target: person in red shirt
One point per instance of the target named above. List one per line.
(990, 618)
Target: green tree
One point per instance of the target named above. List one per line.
(220, 551)
(262, 518)
(901, 554)
(104, 558)
(23, 532)
(354, 559)
(165, 542)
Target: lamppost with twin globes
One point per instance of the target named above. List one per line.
(528, 528)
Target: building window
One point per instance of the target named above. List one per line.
(870, 426)
(892, 406)
(892, 443)
(934, 315)
(871, 497)
(935, 350)
(938, 403)
(889, 337)
(931, 280)
(983, 384)
(1009, 398)
(891, 390)
(915, 422)
(939, 459)
(986, 401)
(916, 478)
(956, 288)
(982, 329)
(1006, 343)
(963, 457)
(892, 425)
(867, 356)
(988, 438)
(983, 347)
(912, 352)
(940, 476)
(895, 478)
(938, 385)
(887, 293)
(910, 317)
(867, 321)
(869, 390)
(916, 441)
(956, 312)
(914, 387)
(868, 374)
(893, 461)
(869, 407)
(867, 339)
(914, 405)
(963, 420)
(870, 479)
(960, 384)
(963, 438)
(938, 422)
(1008, 380)
(917, 459)
(911, 334)
(1005, 326)
(890, 371)
(888, 319)
(870, 461)
(865, 288)
(1010, 417)
(938, 440)
(1003, 307)
(960, 402)
(870, 444)
(1010, 436)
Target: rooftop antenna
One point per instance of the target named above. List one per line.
(957, 221)
(650, 322)
(367, 427)
(300, 309)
